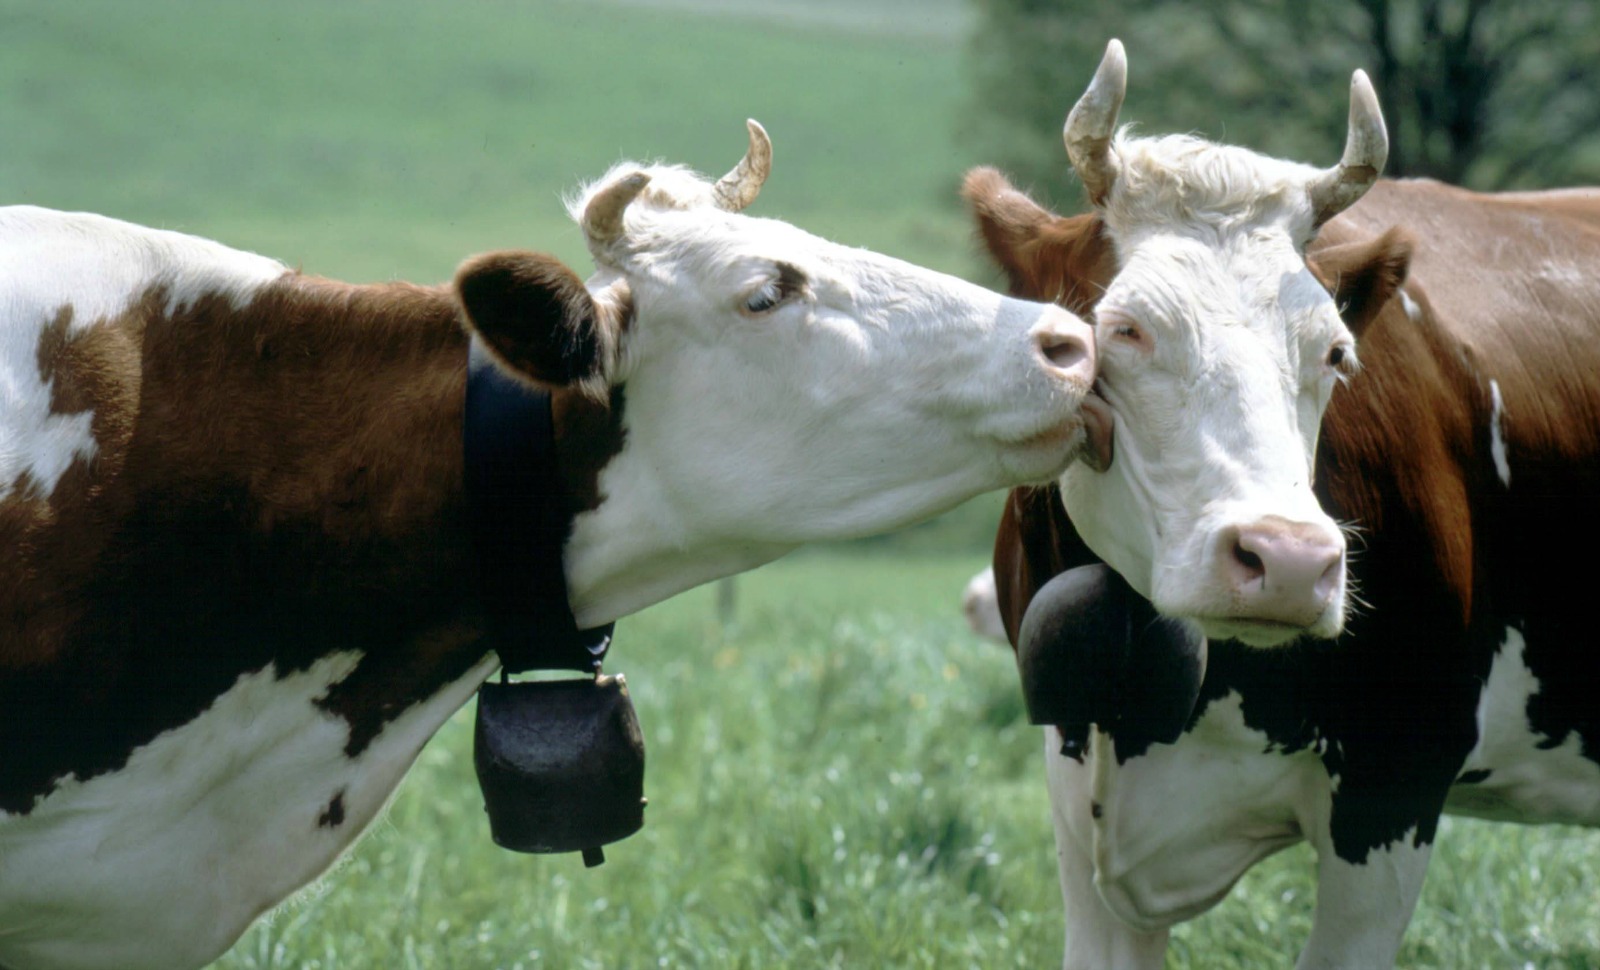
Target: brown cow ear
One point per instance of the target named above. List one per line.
(1065, 259)
(538, 318)
(1363, 276)
(1009, 222)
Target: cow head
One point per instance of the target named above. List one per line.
(771, 388)
(1219, 346)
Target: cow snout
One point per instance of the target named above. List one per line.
(1282, 571)
(1066, 345)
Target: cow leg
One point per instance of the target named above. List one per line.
(1096, 939)
(1363, 907)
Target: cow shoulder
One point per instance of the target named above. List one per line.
(1067, 259)
(538, 318)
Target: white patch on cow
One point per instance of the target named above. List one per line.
(1363, 908)
(162, 864)
(1526, 783)
(751, 432)
(52, 261)
(1155, 865)
(36, 446)
(1497, 437)
(980, 604)
(1413, 312)
(100, 265)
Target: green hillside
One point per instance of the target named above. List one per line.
(377, 140)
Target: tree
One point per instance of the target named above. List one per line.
(1484, 93)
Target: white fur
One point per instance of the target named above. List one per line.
(1497, 436)
(1363, 908)
(162, 865)
(1413, 312)
(1218, 409)
(1526, 783)
(879, 394)
(96, 267)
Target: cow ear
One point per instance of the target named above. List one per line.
(1365, 275)
(1044, 256)
(538, 318)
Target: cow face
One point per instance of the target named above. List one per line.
(776, 388)
(1219, 350)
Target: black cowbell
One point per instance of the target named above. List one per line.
(561, 764)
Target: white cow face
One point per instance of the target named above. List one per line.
(1219, 351)
(1218, 358)
(777, 388)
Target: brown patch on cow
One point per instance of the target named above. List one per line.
(1036, 541)
(273, 483)
(333, 815)
(1067, 260)
(1364, 275)
(589, 434)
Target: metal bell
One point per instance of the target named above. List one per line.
(1093, 651)
(561, 764)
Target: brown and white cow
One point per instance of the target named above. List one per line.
(236, 593)
(1464, 457)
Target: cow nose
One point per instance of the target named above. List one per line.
(1282, 571)
(1067, 346)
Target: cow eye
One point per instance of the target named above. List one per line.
(1125, 329)
(1341, 358)
(764, 299)
(787, 283)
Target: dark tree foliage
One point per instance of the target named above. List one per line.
(1484, 93)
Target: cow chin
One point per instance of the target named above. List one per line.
(1045, 456)
(1267, 634)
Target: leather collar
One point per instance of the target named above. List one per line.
(520, 524)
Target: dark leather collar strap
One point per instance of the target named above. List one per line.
(520, 525)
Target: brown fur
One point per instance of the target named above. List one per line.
(1068, 259)
(272, 484)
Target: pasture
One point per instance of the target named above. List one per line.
(841, 776)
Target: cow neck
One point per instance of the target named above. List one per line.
(520, 518)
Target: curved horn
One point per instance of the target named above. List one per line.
(739, 187)
(1366, 148)
(602, 217)
(1093, 119)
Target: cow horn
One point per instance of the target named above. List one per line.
(1093, 119)
(602, 217)
(739, 187)
(1366, 148)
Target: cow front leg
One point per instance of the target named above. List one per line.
(1096, 939)
(1363, 907)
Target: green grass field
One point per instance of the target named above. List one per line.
(842, 776)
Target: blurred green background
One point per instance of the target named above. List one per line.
(840, 775)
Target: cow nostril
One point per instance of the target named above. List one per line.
(1062, 350)
(1064, 354)
(1254, 568)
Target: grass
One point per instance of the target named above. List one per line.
(843, 777)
